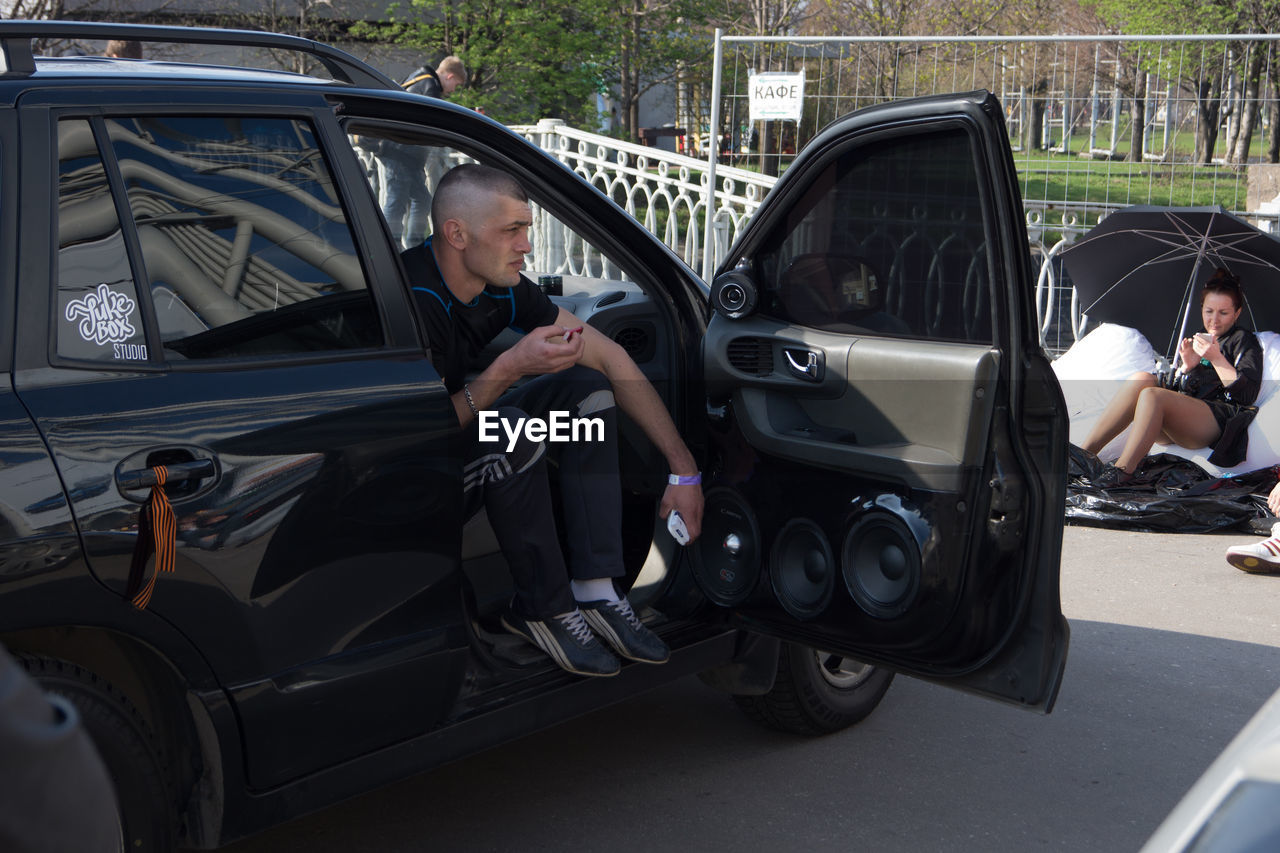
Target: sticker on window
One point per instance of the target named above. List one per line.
(102, 317)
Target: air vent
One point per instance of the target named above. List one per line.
(752, 355)
(611, 298)
(636, 341)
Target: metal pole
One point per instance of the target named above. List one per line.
(708, 257)
(1093, 109)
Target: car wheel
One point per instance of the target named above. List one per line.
(817, 692)
(128, 748)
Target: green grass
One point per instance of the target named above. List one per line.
(1067, 177)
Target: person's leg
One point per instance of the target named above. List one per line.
(415, 229)
(395, 199)
(1119, 412)
(590, 484)
(591, 494)
(1260, 558)
(1164, 414)
(518, 500)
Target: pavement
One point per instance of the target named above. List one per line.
(1172, 651)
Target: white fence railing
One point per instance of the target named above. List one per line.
(665, 192)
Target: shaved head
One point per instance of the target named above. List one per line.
(464, 190)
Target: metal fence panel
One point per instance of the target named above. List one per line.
(1096, 122)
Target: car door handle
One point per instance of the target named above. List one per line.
(142, 478)
(804, 363)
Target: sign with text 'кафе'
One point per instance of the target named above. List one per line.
(776, 95)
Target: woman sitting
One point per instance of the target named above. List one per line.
(1207, 402)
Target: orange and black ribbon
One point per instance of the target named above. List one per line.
(157, 533)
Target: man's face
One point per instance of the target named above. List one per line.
(449, 82)
(498, 240)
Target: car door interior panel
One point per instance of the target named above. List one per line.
(883, 406)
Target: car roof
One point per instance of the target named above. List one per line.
(103, 67)
(18, 61)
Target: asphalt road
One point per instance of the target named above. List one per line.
(1172, 651)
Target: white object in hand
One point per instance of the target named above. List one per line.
(675, 526)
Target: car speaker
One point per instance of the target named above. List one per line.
(802, 568)
(726, 557)
(733, 294)
(881, 564)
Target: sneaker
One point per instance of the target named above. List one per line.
(1261, 558)
(618, 625)
(568, 640)
(1111, 477)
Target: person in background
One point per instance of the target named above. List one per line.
(1260, 558)
(1208, 402)
(123, 49)
(407, 203)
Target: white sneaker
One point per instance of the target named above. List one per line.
(1260, 558)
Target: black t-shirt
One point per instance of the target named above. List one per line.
(457, 332)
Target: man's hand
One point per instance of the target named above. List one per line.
(544, 350)
(688, 500)
(1273, 500)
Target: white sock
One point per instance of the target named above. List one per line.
(596, 589)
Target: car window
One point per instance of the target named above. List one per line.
(403, 170)
(889, 239)
(97, 312)
(242, 235)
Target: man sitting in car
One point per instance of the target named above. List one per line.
(468, 288)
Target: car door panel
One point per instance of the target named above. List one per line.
(876, 408)
(888, 443)
(317, 519)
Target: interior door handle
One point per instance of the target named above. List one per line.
(804, 363)
(142, 478)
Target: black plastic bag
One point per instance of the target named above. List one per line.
(1167, 494)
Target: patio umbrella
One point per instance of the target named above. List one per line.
(1143, 267)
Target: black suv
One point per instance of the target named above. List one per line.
(200, 279)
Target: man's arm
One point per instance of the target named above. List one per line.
(543, 350)
(637, 397)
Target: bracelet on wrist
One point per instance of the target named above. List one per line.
(678, 480)
(471, 404)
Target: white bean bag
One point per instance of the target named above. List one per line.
(1095, 368)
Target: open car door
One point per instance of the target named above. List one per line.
(888, 439)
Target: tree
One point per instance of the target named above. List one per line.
(656, 39)
(527, 59)
(1202, 70)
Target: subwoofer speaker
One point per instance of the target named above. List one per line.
(726, 557)
(802, 568)
(881, 564)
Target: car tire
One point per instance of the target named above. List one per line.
(127, 746)
(817, 692)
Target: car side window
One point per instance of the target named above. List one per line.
(890, 239)
(403, 171)
(97, 311)
(245, 243)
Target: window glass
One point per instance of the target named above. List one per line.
(243, 236)
(97, 313)
(403, 171)
(890, 239)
